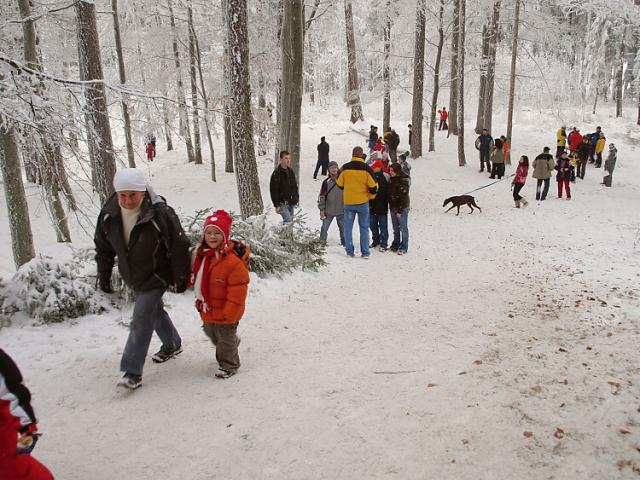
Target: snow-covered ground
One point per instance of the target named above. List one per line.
(504, 345)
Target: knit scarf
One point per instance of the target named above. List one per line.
(201, 266)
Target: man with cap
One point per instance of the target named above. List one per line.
(331, 203)
(358, 182)
(543, 166)
(137, 226)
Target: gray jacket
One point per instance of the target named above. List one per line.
(331, 198)
(610, 162)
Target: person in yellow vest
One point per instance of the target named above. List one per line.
(561, 143)
(599, 149)
(358, 182)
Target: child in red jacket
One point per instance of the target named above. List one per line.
(519, 180)
(220, 279)
(150, 152)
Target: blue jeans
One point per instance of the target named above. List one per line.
(326, 223)
(379, 229)
(149, 315)
(350, 212)
(286, 212)
(400, 230)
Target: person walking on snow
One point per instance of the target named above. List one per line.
(610, 165)
(583, 150)
(392, 140)
(220, 279)
(323, 158)
(150, 152)
(593, 141)
(399, 204)
(497, 158)
(599, 149)
(563, 177)
(561, 140)
(139, 228)
(284, 188)
(483, 145)
(358, 182)
(519, 180)
(373, 137)
(379, 209)
(331, 203)
(444, 115)
(543, 166)
(575, 139)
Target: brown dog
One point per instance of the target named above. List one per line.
(461, 200)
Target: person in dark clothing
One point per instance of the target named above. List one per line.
(483, 145)
(323, 158)
(379, 209)
(409, 127)
(497, 158)
(563, 177)
(373, 138)
(593, 141)
(144, 233)
(610, 165)
(583, 151)
(399, 204)
(392, 140)
(444, 115)
(284, 188)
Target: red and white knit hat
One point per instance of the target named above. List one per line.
(220, 220)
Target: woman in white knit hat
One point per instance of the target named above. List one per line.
(139, 228)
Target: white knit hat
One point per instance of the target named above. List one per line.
(129, 179)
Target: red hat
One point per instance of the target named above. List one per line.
(377, 164)
(221, 220)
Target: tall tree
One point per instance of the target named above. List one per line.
(386, 69)
(123, 80)
(292, 45)
(228, 138)
(453, 89)
(242, 128)
(436, 79)
(619, 75)
(353, 87)
(512, 78)
(16, 199)
(462, 9)
(484, 60)
(492, 38)
(96, 114)
(182, 102)
(193, 62)
(418, 81)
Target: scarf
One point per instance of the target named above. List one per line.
(201, 266)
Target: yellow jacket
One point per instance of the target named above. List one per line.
(357, 180)
(600, 145)
(562, 138)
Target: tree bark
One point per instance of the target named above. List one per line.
(491, 66)
(386, 70)
(123, 80)
(228, 138)
(182, 101)
(484, 60)
(97, 117)
(619, 76)
(245, 159)
(418, 82)
(16, 199)
(167, 124)
(512, 79)
(462, 161)
(436, 79)
(292, 75)
(194, 88)
(453, 89)
(353, 88)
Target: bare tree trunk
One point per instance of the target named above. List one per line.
(97, 117)
(245, 159)
(292, 71)
(312, 69)
(194, 88)
(205, 100)
(386, 70)
(638, 109)
(512, 79)
(462, 8)
(123, 80)
(619, 76)
(491, 66)
(436, 79)
(453, 89)
(483, 79)
(418, 82)
(353, 88)
(167, 124)
(228, 138)
(16, 199)
(182, 101)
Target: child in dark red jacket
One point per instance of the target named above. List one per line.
(563, 177)
(150, 151)
(519, 180)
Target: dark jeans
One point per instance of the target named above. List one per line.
(542, 196)
(379, 229)
(598, 160)
(400, 230)
(149, 315)
(516, 191)
(581, 167)
(442, 124)
(497, 170)
(321, 163)
(484, 157)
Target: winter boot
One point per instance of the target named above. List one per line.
(162, 356)
(523, 202)
(130, 381)
(517, 202)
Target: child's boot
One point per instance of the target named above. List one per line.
(524, 202)
(517, 203)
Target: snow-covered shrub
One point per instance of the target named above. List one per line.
(275, 249)
(50, 291)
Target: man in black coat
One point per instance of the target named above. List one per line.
(284, 188)
(483, 144)
(143, 232)
(323, 158)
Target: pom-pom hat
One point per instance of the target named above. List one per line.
(220, 220)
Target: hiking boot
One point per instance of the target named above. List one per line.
(382, 248)
(517, 202)
(401, 252)
(162, 356)
(222, 373)
(130, 381)
(374, 244)
(524, 202)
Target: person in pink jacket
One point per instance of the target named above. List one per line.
(519, 180)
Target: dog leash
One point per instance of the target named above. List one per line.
(489, 184)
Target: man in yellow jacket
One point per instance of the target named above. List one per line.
(358, 182)
(561, 140)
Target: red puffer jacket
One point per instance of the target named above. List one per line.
(521, 174)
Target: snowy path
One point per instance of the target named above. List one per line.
(431, 365)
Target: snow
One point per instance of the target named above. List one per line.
(431, 365)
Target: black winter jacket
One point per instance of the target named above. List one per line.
(283, 187)
(380, 204)
(399, 192)
(323, 151)
(583, 150)
(157, 255)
